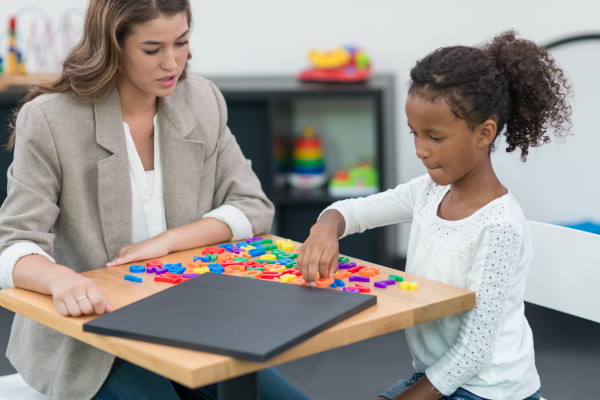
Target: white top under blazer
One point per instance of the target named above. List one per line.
(487, 350)
(147, 210)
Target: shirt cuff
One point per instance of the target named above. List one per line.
(234, 218)
(439, 382)
(11, 255)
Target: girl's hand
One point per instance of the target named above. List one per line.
(154, 247)
(68, 288)
(319, 253)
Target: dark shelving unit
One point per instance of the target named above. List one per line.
(261, 108)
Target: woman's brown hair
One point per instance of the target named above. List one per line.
(93, 65)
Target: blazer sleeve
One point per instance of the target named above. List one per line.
(34, 184)
(236, 183)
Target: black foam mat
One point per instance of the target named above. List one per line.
(244, 318)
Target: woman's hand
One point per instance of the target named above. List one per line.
(75, 295)
(319, 253)
(154, 247)
(38, 274)
(196, 234)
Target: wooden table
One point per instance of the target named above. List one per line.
(396, 309)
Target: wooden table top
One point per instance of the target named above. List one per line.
(396, 309)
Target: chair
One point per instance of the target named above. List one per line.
(13, 387)
(564, 270)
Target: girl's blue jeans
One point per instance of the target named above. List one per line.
(460, 394)
(130, 382)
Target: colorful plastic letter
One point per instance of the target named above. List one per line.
(257, 252)
(138, 268)
(356, 269)
(362, 288)
(154, 263)
(343, 275)
(299, 281)
(355, 278)
(370, 271)
(201, 270)
(254, 273)
(212, 250)
(288, 246)
(133, 278)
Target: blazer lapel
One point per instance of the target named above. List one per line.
(181, 159)
(114, 183)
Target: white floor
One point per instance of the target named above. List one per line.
(13, 387)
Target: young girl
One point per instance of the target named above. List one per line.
(467, 228)
(122, 158)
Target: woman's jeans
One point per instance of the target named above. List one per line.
(127, 381)
(460, 394)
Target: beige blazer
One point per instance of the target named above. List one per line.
(69, 192)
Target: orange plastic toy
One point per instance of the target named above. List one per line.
(299, 282)
(224, 257)
(326, 282)
(229, 270)
(256, 273)
(370, 271)
(197, 264)
(343, 275)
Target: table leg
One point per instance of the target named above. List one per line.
(243, 387)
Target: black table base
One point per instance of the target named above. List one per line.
(243, 387)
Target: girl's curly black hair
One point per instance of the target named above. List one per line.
(510, 80)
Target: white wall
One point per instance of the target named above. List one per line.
(264, 37)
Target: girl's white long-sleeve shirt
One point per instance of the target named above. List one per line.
(487, 350)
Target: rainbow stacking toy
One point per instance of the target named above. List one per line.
(308, 166)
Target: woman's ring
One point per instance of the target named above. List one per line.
(81, 298)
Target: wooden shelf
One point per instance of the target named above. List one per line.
(8, 82)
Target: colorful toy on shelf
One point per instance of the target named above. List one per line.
(308, 166)
(342, 64)
(13, 62)
(360, 180)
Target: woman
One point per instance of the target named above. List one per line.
(122, 158)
